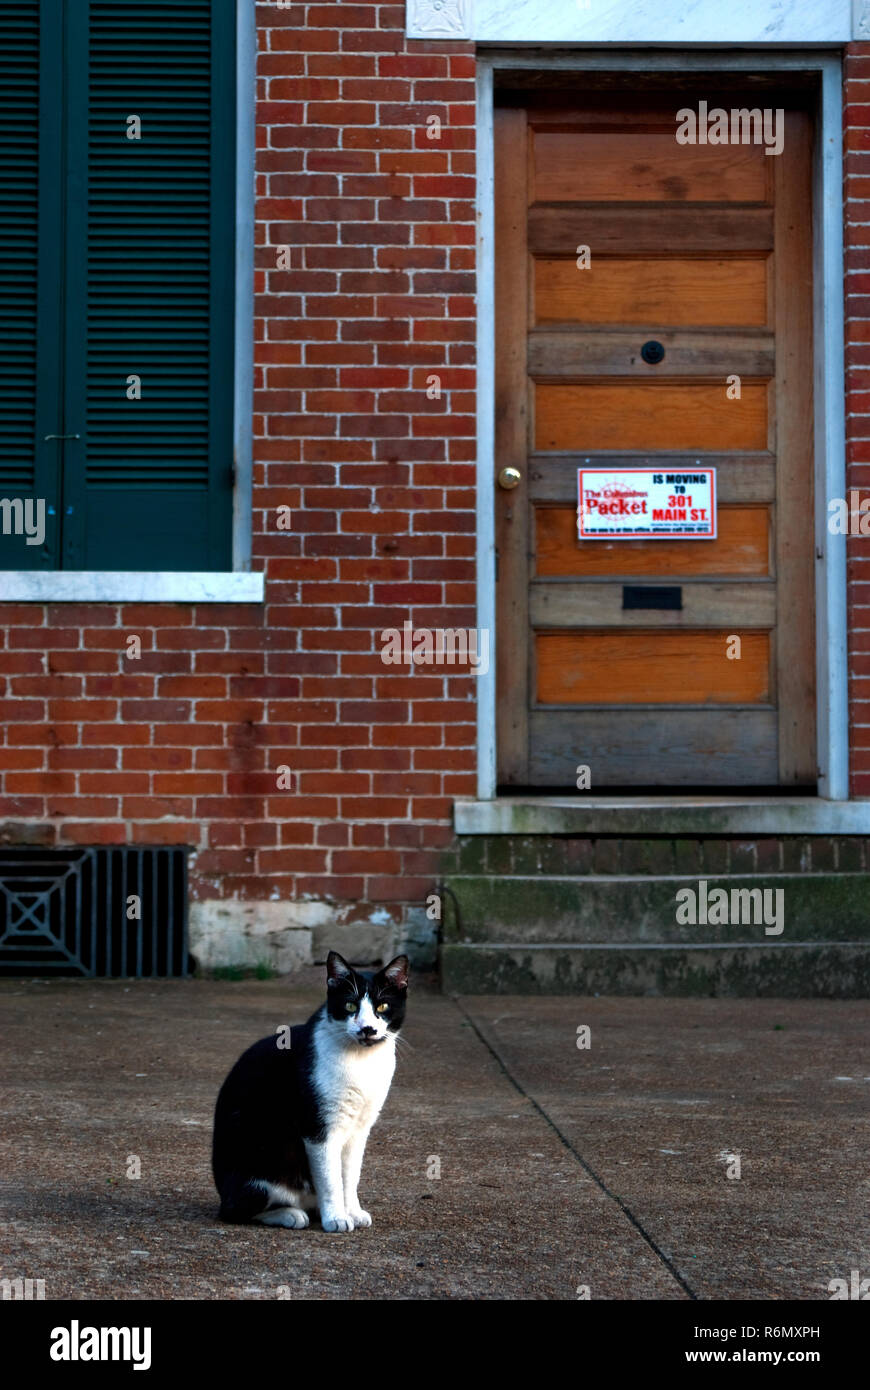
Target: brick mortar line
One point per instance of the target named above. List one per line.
(587, 1168)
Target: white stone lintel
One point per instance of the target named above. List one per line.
(640, 21)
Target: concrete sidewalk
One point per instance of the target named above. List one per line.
(559, 1168)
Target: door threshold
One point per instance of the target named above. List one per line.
(663, 815)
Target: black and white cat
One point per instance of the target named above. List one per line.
(291, 1122)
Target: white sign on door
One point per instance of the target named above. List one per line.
(646, 504)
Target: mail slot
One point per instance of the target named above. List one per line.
(652, 596)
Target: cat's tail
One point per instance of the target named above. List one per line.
(241, 1198)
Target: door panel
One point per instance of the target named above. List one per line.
(741, 547)
(683, 291)
(661, 668)
(615, 169)
(716, 229)
(647, 416)
(621, 654)
(703, 605)
(659, 747)
(616, 352)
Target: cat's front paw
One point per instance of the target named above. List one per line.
(336, 1221)
(359, 1217)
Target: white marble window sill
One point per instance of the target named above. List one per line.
(120, 586)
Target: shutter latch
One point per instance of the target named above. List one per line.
(63, 436)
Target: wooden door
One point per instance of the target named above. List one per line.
(705, 249)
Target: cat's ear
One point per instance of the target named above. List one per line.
(396, 973)
(338, 972)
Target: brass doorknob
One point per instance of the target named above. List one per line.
(509, 477)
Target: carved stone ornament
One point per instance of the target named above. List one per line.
(438, 19)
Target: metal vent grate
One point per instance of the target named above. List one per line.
(114, 911)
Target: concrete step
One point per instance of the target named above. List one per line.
(626, 855)
(646, 909)
(599, 913)
(786, 970)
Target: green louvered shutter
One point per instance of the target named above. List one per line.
(150, 285)
(31, 256)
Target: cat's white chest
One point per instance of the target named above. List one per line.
(352, 1082)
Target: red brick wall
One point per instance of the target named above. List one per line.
(184, 745)
(856, 151)
(379, 296)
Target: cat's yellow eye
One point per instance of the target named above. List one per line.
(350, 1008)
(382, 1008)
